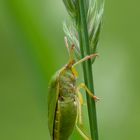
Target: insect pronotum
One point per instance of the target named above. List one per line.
(65, 100)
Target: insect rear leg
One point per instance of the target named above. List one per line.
(82, 133)
(79, 116)
(79, 108)
(83, 86)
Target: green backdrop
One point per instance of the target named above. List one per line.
(32, 49)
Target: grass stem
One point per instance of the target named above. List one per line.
(87, 69)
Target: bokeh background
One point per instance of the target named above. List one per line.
(32, 49)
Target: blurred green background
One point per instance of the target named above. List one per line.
(32, 49)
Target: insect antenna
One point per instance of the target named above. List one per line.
(70, 50)
(67, 45)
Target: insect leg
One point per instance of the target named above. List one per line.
(85, 58)
(79, 109)
(80, 97)
(82, 85)
(82, 133)
(79, 116)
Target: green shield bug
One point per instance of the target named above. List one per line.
(65, 100)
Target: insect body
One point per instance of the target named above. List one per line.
(64, 102)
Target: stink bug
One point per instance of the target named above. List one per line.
(65, 100)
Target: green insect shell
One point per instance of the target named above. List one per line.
(62, 104)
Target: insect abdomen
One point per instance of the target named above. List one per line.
(65, 119)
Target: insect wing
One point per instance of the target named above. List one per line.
(52, 101)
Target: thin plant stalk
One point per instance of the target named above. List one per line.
(87, 69)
